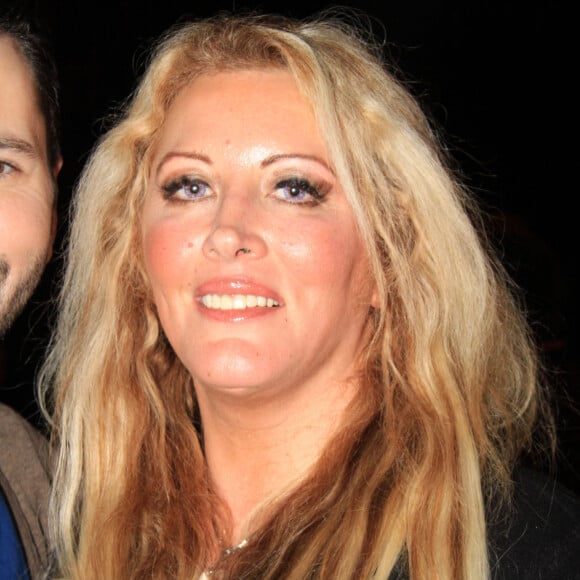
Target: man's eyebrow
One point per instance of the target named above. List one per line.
(18, 145)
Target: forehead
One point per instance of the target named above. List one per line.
(20, 116)
(259, 99)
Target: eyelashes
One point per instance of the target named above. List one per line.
(300, 191)
(186, 188)
(292, 190)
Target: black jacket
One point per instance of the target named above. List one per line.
(539, 538)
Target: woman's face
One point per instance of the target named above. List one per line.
(256, 266)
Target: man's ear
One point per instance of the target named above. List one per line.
(53, 227)
(54, 220)
(57, 167)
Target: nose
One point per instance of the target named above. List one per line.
(234, 234)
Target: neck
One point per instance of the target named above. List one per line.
(257, 448)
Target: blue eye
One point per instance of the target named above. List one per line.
(186, 188)
(297, 190)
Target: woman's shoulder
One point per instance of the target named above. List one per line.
(539, 536)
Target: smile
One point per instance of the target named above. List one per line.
(237, 301)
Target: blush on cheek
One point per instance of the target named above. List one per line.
(167, 249)
(322, 258)
(155, 249)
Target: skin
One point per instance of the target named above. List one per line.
(27, 209)
(219, 218)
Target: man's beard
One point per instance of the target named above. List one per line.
(13, 300)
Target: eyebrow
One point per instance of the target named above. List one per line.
(187, 154)
(281, 156)
(18, 145)
(265, 162)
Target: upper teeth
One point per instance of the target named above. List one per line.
(236, 301)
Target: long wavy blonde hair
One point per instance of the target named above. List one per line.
(450, 376)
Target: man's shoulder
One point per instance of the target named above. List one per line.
(538, 536)
(11, 419)
(25, 483)
(22, 446)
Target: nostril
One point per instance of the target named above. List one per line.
(242, 251)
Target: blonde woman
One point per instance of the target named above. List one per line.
(284, 350)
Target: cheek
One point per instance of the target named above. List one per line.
(324, 253)
(25, 228)
(167, 249)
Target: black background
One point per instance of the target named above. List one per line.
(493, 76)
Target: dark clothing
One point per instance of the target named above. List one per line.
(539, 538)
(25, 483)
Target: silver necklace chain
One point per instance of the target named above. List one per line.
(226, 553)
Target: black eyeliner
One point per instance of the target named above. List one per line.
(301, 184)
(171, 188)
